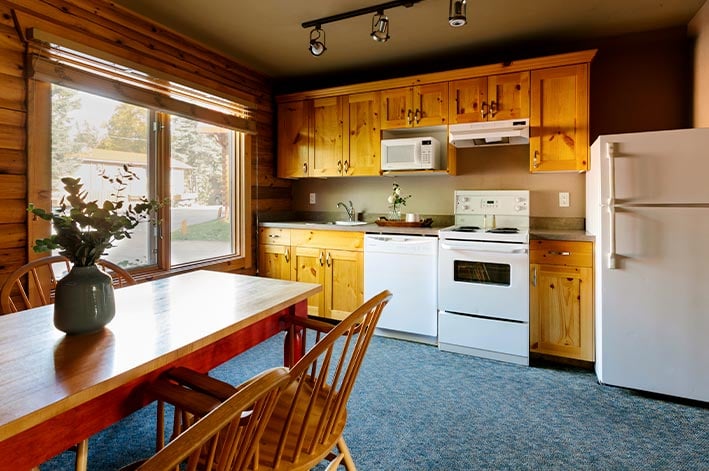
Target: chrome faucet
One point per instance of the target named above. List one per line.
(349, 209)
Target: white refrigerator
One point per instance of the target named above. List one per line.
(647, 204)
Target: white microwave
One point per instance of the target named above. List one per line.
(411, 153)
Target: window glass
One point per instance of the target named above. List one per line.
(201, 165)
(94, 137)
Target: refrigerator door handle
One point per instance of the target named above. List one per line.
(610, 154)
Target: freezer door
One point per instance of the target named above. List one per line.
(664, 167)
(652, 311)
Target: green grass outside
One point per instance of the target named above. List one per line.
(212, 230)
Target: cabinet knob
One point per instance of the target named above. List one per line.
(483, 109)
(347, 166)
(339, 166)
(408, 117)
(287, 254)
(493, 108)
(535, 161)
(305, 168)
(417, 116)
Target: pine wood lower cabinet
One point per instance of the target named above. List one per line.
(333, 259)
(561, 299)
(274, 255)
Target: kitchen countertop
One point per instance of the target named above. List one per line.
(549, 234)
(368, 228)
(560, 234)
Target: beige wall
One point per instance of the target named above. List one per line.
(496, 168)
(699, 29)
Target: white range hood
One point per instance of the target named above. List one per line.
(490, 133)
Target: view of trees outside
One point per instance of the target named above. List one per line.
(93, 135)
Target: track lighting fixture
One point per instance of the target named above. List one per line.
(380, 27)
(380, 23)
(316, 45)
(456, 13)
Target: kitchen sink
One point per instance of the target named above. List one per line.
(350, 223)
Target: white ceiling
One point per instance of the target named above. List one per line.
(267, 35)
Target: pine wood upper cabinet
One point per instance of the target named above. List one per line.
(493, 98)
(561, 299)
(559, 119)
(422, 105)
(362, 137)
(293, 127)
(327, 158)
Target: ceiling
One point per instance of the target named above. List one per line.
(267, 35)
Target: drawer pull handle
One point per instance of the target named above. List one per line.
(563, 254)
(274, 236)
(287, 254)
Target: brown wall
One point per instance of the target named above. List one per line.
(110, 29)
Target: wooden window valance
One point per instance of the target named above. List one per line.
(56, 63)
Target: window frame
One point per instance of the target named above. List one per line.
(39, 174)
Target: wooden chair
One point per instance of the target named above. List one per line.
(309, 419)
(227, 438)
(33, 285)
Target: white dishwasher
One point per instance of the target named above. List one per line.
(406, 265)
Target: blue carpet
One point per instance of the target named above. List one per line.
(416, 408)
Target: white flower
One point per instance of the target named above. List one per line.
(397, 190)
(390, 199)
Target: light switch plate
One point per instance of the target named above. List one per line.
(563, 199)
(313, 199)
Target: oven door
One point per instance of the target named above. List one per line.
(487, 279)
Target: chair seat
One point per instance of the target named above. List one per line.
(310, 455)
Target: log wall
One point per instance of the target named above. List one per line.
(111, 29)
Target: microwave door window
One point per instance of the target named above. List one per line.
(401, 154)
(481, 273)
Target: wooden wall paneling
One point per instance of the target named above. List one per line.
(12, 92)
(12, 137)
(13, 162)
(13, 236)
(120, 40)
(12, 187)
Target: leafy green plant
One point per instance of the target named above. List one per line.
(84, 230)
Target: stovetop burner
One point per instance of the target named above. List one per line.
(503, 230)
(467, 229)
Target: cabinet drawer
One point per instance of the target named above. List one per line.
(561, 252)
(343, 240)
(274, 235)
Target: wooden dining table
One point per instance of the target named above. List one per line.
(57, 389)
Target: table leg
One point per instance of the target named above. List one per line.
(294, 343)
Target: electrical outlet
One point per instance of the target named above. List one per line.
(313, 199)
(563, 199)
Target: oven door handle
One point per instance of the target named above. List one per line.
(484, 247)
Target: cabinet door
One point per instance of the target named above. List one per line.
(327, 158)
(509, 96)
(293, 139)
(431, 104)
(396, 108)
(558, 138)
(308, 266)
(275, 261)
(561, 312)
(344, 283)
(362, 137)
(466, 99)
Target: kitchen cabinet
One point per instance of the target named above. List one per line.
(561, 299)
(362, 136)
(334, 259)
(326, 155)
(293, 129)
(329, 137)
(558, 138)
(408, 107)
(493, 98)
(274, 255)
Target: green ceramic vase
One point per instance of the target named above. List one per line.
(84, 301)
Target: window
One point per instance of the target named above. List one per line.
(183, 154)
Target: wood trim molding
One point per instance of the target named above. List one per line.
(579, 57)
